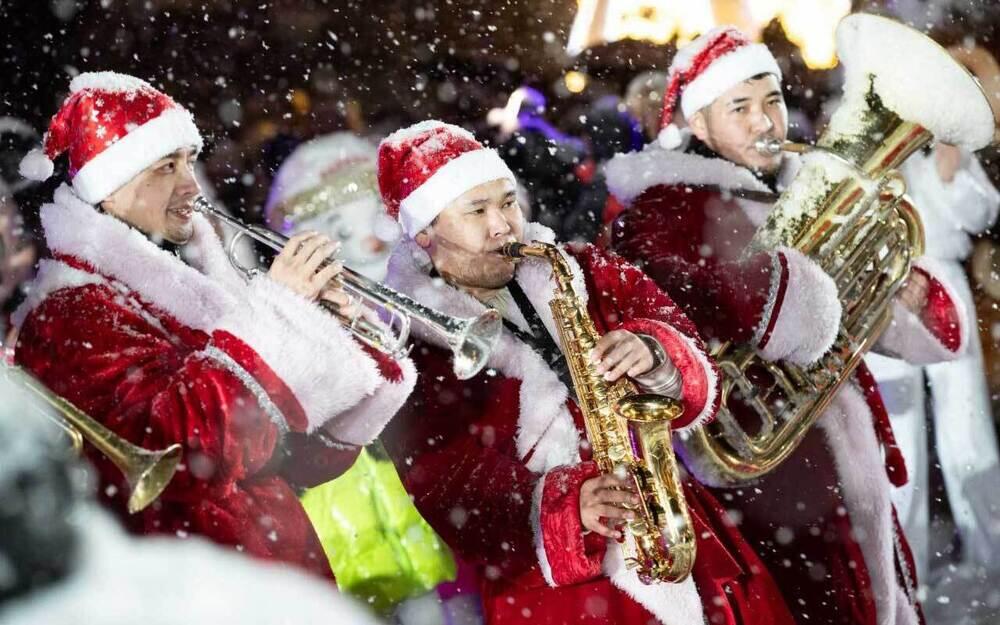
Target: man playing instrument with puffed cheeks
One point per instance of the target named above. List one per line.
(262, 388)
(823, 520)
(499, 465)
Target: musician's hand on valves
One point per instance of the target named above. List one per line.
(604, 504)
(299, 266)
(338, 298)
(621, 352)
(913, 293)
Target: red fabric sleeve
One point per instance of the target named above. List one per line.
(117, 366)
(311, 460)
(622, 296)
(565, 556)
(665, 233)
(940, 314)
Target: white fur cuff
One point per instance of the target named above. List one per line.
(313, 355)
(536, 526)
(808, 316)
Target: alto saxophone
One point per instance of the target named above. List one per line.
(629, 433)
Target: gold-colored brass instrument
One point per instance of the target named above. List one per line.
(471, 340)
(845, 209)
(628, 431)
(147, 472)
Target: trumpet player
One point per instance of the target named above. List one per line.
(499, 465)
(262, 388)
(823, 520)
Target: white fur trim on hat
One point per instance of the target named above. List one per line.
(450, 181)
(728, 70)
(125, 159)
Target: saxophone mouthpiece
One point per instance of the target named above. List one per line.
(513, 250)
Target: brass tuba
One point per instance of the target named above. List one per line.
(847, 210)
(147, 472)
(627, 431)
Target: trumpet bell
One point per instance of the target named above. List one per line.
(152, 471)
(473, 342)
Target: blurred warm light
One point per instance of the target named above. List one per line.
(575, 81)
(657, 21)
(809, 24)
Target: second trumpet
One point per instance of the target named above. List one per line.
(471, 340)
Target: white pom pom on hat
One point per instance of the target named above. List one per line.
(36, 166)
(671, 137)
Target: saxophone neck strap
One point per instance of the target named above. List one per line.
(539, 338)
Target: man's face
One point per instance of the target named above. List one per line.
(731, 125)
(159, 200)
(464, 241)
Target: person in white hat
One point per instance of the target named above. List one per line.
(823, 520)
(499, 465)
(261, 387)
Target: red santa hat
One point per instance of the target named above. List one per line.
(112, 126)
(423, 168)
(705, 69)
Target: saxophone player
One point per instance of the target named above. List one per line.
(498, 465)
(261, 388)
(823, 520)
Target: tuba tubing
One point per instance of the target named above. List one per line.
(846, 209)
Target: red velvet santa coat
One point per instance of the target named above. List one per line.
(823, 521)
(494, 463)
(262, 388)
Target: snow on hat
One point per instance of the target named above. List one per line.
(423, 168)
(112, 126)
(705, 69)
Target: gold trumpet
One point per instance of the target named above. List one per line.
(147, 472)
(471, 340)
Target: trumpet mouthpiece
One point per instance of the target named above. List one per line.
(768, 146)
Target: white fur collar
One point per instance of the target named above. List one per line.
(545, 424)
(629, 175)
(118, 251)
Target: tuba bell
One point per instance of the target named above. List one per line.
(847, 210)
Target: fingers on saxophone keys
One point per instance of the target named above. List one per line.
(618, 496)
